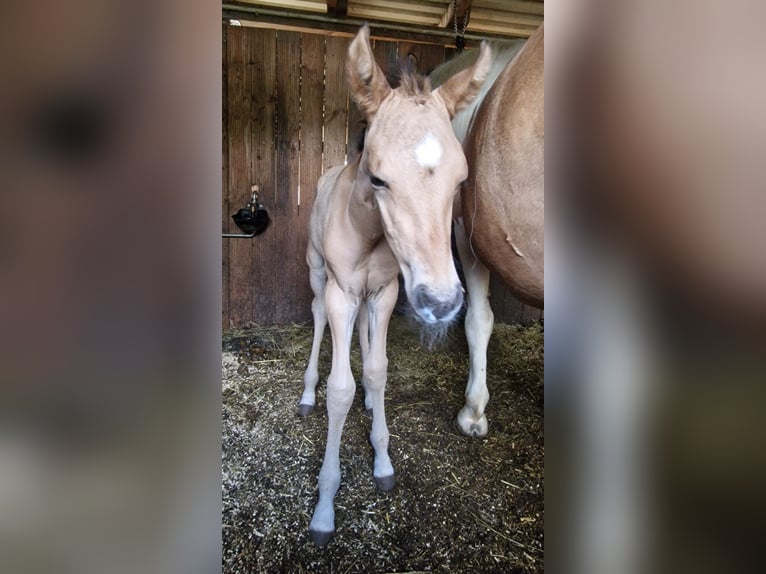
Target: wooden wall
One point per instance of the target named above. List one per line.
(287, 117)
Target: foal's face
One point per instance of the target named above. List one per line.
(415, 165)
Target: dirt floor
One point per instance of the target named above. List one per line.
(459, 505)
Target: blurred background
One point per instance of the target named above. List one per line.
(110, 158)
(109, 296)
(656, 286)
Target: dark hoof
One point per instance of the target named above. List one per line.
(385, 483)
(321, 538)
(305, 410)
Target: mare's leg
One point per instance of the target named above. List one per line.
(318, 279)
(374, 379)
(479, 321)
(363, 325)
(341, 311)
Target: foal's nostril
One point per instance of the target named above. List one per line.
(434, 308)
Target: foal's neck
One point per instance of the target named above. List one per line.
(363, 211)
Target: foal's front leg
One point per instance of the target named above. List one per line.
(341, 312)
(374, 376)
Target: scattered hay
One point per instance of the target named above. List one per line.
(460, 504)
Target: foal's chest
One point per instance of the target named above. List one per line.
(382, 268)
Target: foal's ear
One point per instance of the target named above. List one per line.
(460, 89)
(367, 81)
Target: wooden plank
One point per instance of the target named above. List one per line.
(530, 314)
(252, 16)
(507, 309)
(433, 10)
(431, 56)
(224, 181)
(522, 6)
(405, 17)
(516, 18)
(355, 126)
(500, 28)
(239, 134)
(263, 114)
(307, 5)
(386, 54)
(336, 112)
(284, 268)
(338, 8)
(427, 56)
(312, 122)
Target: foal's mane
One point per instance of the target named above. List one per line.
(403, 76)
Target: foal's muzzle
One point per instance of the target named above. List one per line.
(432, 308)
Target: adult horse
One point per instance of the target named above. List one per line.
(387, 212)
(499, 218)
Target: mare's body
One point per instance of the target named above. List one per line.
(499, 218)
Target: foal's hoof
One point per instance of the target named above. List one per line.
(321, 538)
(469, 426)
(385, 483)
(305, 410)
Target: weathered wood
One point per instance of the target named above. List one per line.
(240, 158)
(337, 8)
(284, 266)
(312, 120)
(386, 54)
(279, 97)
(530, 314)
(263, 17)
(263, 282)
(427, 56)
(507, 308)
(489, 27)
(520, 6)
(225, 179)
(336, 102)
(405, 16)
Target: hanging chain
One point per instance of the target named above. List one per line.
(460, 32)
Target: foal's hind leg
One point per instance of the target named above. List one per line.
(363, 328)
(374, 380)
(318, 279)
(479, 321)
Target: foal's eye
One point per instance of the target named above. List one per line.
(377, 182)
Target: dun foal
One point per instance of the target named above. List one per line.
(387, 212)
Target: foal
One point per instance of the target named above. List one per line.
(387, 212)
